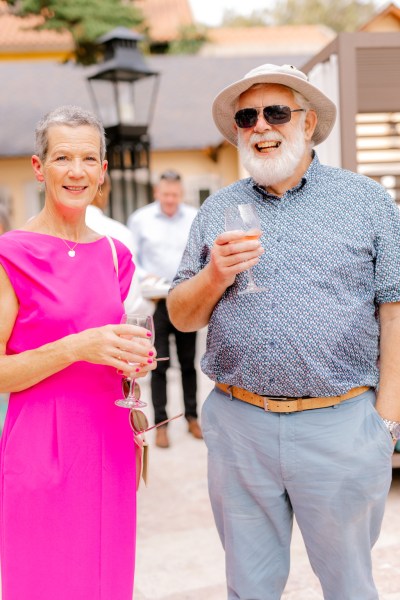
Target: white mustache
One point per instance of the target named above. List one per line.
(272, 136)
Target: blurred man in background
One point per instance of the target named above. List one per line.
(160, 231)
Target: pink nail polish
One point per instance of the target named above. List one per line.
(148, 333)
(137, 370)
(151, 353)
(150, 361)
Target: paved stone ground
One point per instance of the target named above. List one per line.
(179, 556)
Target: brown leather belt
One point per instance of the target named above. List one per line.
(287, 405)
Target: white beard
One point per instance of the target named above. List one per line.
(271, 171)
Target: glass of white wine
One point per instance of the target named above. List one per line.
(132, 399)
(245, 217)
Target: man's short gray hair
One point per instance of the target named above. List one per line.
(72, 116)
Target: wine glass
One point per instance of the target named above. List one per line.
(245, 217)
(132, 399)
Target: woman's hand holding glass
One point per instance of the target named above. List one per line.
(122, 346)
(142, 333)
(136, 353)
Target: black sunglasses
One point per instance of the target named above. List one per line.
(277, 114)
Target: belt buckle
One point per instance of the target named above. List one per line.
(281, 399)
(266, 398)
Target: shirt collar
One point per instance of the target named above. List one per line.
(309, 174)
(159, 213)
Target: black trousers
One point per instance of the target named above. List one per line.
(186, 349)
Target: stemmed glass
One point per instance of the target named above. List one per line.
(245, 217)
(132, 399)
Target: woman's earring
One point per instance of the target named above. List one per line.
(100, 191)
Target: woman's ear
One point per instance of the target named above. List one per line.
(103, 171)
(37, 168)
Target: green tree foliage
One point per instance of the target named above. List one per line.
(85, 19)
(341, 15)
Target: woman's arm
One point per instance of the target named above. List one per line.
(102, 345)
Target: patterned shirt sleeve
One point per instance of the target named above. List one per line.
(387, 247)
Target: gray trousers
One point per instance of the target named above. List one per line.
(331, 467)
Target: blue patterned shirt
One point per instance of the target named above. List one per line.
(332, 255)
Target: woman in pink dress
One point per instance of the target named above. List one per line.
(68, 484)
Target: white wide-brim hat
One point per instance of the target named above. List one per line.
(224, 105)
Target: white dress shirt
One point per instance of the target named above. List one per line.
(160, 239)
(98, 221)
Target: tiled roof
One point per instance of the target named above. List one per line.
(182, 119)
(16, 34)
(165, 18)
(286, 39)
(388, 19)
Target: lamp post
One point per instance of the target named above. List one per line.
(123, 90)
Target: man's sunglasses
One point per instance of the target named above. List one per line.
(278, 114)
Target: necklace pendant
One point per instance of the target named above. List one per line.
(71, 253)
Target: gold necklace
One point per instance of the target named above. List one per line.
(71, 251)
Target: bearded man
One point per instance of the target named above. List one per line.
(296, 424)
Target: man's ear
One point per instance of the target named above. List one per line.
(310, 124)
(37, 168)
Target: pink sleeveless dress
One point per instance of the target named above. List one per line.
(67, 463)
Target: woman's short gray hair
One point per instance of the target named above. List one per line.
(72, 116)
